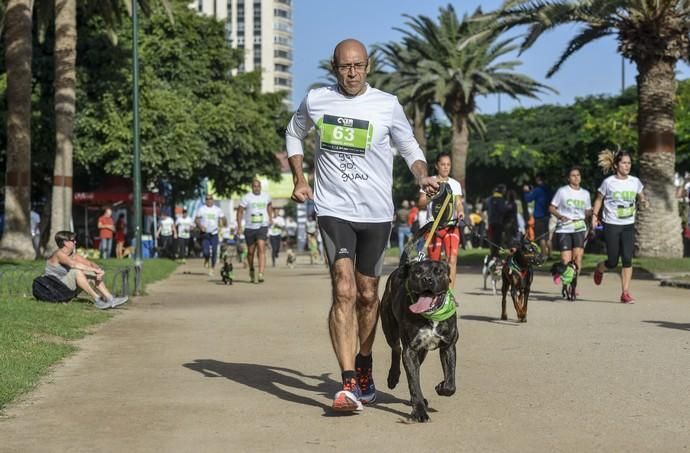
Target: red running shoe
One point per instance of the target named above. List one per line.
(626, 298)
(347, 400)
(598, 276)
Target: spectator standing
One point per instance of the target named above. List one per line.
(208, 218)
(255, 209)
(36, 231)
(404, 232)
(106, 229)
(184, 225)
(495, 213)
(166, 235)
(120, 236)
(541, 196)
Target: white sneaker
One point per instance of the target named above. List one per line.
(101, 304)
(117, 301)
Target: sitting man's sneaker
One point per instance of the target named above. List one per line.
(117, 301)
(366, 385)
(347, 400)
(101, 304)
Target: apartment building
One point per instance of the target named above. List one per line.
(263, 28)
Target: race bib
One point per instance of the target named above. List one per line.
(623, 212)
(257, 217)
(579, 225)
(345, 135)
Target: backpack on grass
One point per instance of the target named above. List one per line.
(48, 288)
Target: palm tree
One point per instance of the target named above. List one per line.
(65, 93)
(16, 239)
(655, 35)
(400, 79)
(455, 72)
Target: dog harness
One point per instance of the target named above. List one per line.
(515, 267)
(568, 275)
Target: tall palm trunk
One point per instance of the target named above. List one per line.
(65, 87)
(656, 86)
(16, 239)
(460, 143)
(419, 127)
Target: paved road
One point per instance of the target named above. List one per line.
(200, 367)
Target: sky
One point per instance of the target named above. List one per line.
(320, 24)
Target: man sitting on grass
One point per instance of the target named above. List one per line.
(75, 271)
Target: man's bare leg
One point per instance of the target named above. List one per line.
(342, 319)
(261, 252)
(84, 285)
(367, 309)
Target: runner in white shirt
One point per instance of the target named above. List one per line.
(447, 235)
(275, 234)
(208, 218)
(166, 236)
(618, 194)
(356, 126)
(572, 206)
(256, 209)
(184, 225)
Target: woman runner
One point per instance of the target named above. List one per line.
(618, 194)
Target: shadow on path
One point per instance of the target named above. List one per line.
(489, 319)
(671, 325)
(273, 380)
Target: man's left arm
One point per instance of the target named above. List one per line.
(409, 149)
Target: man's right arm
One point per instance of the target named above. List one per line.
(296, 131)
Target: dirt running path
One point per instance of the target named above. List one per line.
(201, 367)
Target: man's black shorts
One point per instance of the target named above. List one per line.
(569, 241)
(363, 243)
(253, 235)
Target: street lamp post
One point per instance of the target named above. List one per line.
(137, 155)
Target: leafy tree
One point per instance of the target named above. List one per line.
(655, 35)
(197, 119)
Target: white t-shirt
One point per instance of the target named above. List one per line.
(277, 227)
(210, 216)
(166, 226)
(255, 210)
(619, 199)
(456, 189)
(184, 227)
(354, 156)
(572, 204)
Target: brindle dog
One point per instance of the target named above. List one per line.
(518, 274)
(411, 291)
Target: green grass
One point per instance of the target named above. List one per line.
(475, 257)
(34, 336)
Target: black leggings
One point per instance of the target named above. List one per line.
(619, 243)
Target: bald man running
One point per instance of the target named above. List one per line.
(353, 181)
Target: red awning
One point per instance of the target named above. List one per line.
(114, 190)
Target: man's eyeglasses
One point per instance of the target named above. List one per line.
(345, 68)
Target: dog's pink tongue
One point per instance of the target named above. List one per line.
(423, 304)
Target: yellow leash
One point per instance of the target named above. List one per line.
(437, 220)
